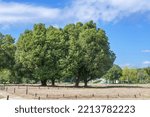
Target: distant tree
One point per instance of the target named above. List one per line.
(142, 76)
(129, 75)
(113, 74)
(147, 69)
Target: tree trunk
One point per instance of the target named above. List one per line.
(85, 83)
(44, 82)
(53, 81)
(77, 81)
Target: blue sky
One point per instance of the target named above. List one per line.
(127, 23)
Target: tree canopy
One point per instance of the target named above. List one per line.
(113, 74)
(89, 55)
(7, 51)
(80, 51)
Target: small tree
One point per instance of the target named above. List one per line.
(113, 74)
(142, 76)
(129, 75)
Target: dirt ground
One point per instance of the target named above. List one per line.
(96, 92)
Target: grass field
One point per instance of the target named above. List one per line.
(96, 92)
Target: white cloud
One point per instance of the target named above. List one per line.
(146, 62)
(78, 10)
(108, 10)
(19, 13)
(146, 51)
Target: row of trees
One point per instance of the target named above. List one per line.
(127, 75)
(78, 51)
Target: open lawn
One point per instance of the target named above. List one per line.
(96, 92)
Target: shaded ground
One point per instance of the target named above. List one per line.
(97, 92)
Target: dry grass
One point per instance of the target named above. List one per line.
(1, 97)
(97, 92)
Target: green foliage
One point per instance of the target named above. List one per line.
(142, 76)
(40, 51)
(55, 52)
(5, 76)
(130, 75)
(7, 58)
(147, 69)
(76, 53)
(113, 74)
(7, 51)
(79, 51)
(30, 52)
(89, 55)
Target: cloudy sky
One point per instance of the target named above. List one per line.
(126, 22)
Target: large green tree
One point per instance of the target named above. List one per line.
(40, 51)
(97, 57)
(79, 51)
(55, 53)
(89, 55)
(24, 57)
(73, 59)
(30, 52)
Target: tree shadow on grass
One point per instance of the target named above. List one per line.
(100, 87)
(90, 87)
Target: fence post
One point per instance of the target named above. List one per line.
(135, 96)
(14, 90)
(35, 95)
(93, 95)
(26, 90)
(7, 97)
(47, 96)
